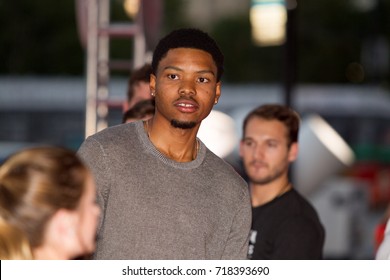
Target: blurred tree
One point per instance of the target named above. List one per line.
(328, 41)
(39, 37)
(337, 41)
(173, 15)
(244, 62)
(331, 35)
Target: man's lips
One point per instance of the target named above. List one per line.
(186, 106)
(258, 164)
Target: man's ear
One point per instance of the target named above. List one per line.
(293, 152)
(241, 148)
(152, 84)
(217, 92)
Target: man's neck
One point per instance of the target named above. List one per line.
(177, 144)
(264, 193)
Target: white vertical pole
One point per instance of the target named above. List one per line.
(92, 49)
(103, 70)
(139, 39)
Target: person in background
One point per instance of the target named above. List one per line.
(163, 193)
(383, 252)
(382, 237)
(142, 110)
(48, 197)
(284, 224)
(138, 86)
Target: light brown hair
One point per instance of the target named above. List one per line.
(14, 244)
(284, 114)
(141, 74)
(35, 183)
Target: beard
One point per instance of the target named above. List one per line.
(271, 176)
(266, 179)
(182, 125)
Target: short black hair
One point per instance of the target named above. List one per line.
(188, 38)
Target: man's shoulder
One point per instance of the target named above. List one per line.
(114, 136)
(305, 204)
(301, 211)
(292, 205)
(289, 217)
(226, 175)
(111, 140)
(224, 167)
(120, 130)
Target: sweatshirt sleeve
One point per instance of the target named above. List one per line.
(238, 241)
(95, 157)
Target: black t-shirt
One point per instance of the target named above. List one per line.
(285, 228)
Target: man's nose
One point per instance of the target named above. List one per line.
(258, 151)
(187, 87)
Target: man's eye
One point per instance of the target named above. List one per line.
(172, 76)
(203, 80)
(249, 143)
(272, 144)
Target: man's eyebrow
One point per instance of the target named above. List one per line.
(181, 70)
(172, 68)
(206, 72)
(247, 138)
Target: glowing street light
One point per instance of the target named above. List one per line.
(131, 7)
(268, 20)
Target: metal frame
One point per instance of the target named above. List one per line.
(99, 31)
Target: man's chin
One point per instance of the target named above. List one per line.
(261, 180)
(182, 124)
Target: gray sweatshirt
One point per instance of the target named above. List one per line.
(157, 208)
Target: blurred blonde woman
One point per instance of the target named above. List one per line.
(48, 195)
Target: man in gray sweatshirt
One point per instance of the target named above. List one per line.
(163, 193)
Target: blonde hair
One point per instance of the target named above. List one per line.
(13, 243)
(34, 184)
